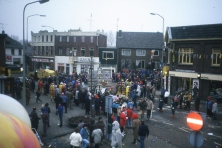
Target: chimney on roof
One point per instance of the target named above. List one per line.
(3, 32)
(120, 34)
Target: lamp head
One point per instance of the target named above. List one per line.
(42, 15)
(43, 1)
(153, 13)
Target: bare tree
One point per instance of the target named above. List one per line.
(15, 37)
(111, 39)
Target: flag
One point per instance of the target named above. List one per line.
(220, 56)
(200, 57)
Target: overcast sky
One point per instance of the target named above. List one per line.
(133, 15)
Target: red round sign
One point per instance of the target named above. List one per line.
(195, 121)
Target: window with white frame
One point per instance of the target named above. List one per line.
(12, 51)
(126, 52)
(67, 51)
(74, 39)
(215, 60)
(83, 39)
(83, 52)
(91, 52)
(108, 55)
(140, 52)
(140, 63)
(156, 53)
(125, 63)
(60, 51)
(67, 38)
(46, 38)
(60, 38)
(74, 51)
(91, 39)
(185, 56)
(39, 38)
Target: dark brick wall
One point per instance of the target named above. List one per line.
(202, 65)
(102, 42)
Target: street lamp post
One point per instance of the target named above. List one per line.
(28, 21)
(48, 26)
(162, 49)
(23, 66)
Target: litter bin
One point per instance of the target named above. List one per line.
(166, 96)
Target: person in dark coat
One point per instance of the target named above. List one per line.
(45, 120)
(33, 85)
(37, 96)
(91, 128)
(197, 102)
(60, 111)
(87, 102)
(173, 108)
(161, 100)
(34, 119)
(58, 100)
(143, 132)
(97, 103)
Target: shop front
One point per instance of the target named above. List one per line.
(182, 79)
(208, 84)
(43, 63)
(7, 85)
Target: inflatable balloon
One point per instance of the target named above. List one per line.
(15, 133)
(13, 107)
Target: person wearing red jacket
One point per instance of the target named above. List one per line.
(129, 120)
(123, 119)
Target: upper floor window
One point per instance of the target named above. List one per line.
(67, 39)
(12, 51)
(140, 63)
(156, 53)
(91, 52)
(74, 39)
(34, 38)
(91, 39)
(20, 52)
(60, 38)
(108, 55)
(60, 51)
(83, 39)
(126, 52)
(47, 38)
(74, 51)
(51, 36)
(140, 52)
(39, 38)
(43, 50)
(68, 52)
(125, 63)
(185, 56)
(83, 52)
(43, 38)
(215, 60)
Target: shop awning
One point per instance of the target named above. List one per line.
(183, 74)
(211, 77)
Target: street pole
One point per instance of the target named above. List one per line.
(161, 80)
(24, 51)
(28, 21)
(91, 101)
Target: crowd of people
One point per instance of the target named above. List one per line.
(67, 91)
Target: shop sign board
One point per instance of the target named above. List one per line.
(40, 60)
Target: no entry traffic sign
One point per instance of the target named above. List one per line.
(195, 121)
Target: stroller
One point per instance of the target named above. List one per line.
(37, 136)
